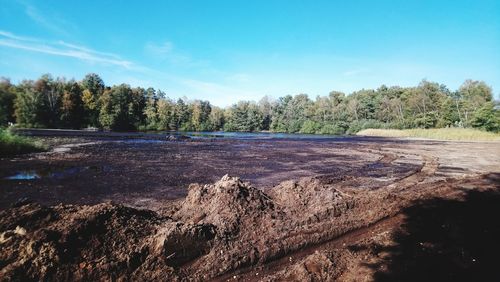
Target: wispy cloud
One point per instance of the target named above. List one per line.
(16, 37)
(84, 49)
(166, 51)
(60, 48)
(161, 50)
(53, 22)
(219, 94)
(133, 73)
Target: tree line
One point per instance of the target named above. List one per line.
(61, 103)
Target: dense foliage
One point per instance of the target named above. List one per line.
(11, 144)
(61, 103)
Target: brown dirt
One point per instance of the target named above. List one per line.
(359, 209)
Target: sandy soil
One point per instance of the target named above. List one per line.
(347, 209)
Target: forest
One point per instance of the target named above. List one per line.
(50, 102)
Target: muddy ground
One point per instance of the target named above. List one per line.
(346, 209)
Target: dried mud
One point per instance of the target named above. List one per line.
(348, 210)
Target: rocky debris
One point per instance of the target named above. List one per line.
(217, 228)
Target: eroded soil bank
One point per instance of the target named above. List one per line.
(349, 209)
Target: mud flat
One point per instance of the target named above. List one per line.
(346, 209)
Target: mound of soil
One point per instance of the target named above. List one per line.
(219, 231)
(104, 241)
(310, 199)
(217, 228)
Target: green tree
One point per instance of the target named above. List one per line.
(137, 106)
(473, 94)
(93, 87)
(487, 117)
(279, 117)
(117, 108)
(266, 105)
(448, 115)
(200, 112)
(29, 105)
(425, 103)
(290, 113)
(182, 116)
(50, 92)
(166, 115)
(72, 111)
(216, 119)
(7, 97)
(244, 116)
(151, 110)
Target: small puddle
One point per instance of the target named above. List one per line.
(24, 175)
(375, 165)
(55, 173)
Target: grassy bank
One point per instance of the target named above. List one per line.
(11, 144)
(459, 134)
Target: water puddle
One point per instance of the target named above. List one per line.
(24, 175)
(375, 165)
(54, 173)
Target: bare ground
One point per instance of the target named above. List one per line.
(349, 209)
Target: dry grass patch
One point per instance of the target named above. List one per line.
(460, 134)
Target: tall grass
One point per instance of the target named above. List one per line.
(459, 134)
(11, 144)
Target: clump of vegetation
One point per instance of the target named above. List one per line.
(459, 134)
(11, 144)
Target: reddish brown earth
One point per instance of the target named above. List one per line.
(350, 209)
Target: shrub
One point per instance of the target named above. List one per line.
(487, 118)
(11, 144)
(332, 129)
(310, 127)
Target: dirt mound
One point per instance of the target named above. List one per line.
(215, 223)
(241, 216)
(73, 242)
(253, 227)
(217, 229)
(228, 204)
(311, 199)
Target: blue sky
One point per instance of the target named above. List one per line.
(225, 51)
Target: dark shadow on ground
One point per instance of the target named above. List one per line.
(447, 240)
